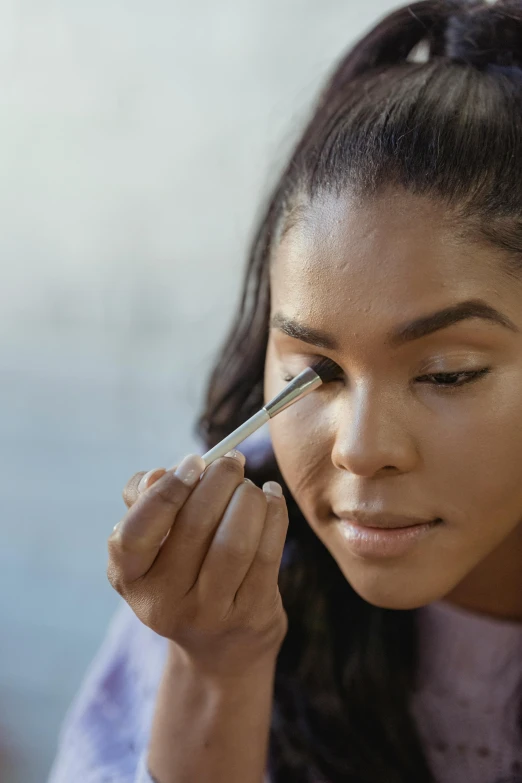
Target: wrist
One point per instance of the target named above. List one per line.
(179, 660)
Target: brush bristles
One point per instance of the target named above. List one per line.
(326, 369)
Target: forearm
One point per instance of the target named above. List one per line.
(211, 730)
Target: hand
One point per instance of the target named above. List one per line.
(198, 562)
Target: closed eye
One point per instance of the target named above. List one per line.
(445, 379)
(289, 378)
(442, 380)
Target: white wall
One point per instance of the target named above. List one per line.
(137, 142)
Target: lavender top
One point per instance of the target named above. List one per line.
(465, 705)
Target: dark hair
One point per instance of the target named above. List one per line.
(449, 127)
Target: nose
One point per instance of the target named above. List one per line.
(372, 434)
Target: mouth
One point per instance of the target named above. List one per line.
(382, 520)
(388, 536)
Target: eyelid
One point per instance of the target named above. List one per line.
(287, 375)
(310, 361)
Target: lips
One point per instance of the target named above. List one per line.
(398, 535)
(383, 520)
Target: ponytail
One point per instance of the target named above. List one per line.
(475, 33)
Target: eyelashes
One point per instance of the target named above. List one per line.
(327, 369)
(444, 380)
(469, 376)
(287, 377)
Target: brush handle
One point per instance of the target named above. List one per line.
(231, 441)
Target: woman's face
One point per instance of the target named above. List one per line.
(386, 436)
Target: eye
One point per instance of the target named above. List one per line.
(287, 377)
(450, 380)
(446, 381)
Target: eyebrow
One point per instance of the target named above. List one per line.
(404, 333)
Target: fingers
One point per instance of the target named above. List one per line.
(190, 538)
(197, 557)
(232, 550)
(137, 539)
(139, 483)
(264, 569)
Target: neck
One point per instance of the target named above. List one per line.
(494, 587)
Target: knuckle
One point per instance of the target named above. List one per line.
(130, 490)
(113, 544)
(158, 614)
(270, 620)
(170, 490)
(268, 556)
(254, 490)
(127, 498)
(134, 480)
(255, 498)
(132, 546)
(151, 614)
(115, 578)
(197, 534)
(121, 544)
(231, 466)
(239, 551)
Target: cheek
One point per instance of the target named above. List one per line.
(298, 438)
(302, 450)
(476, 460)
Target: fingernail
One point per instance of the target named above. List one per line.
(272, 488)
(235, 454)
(142, 486)
(190, 469)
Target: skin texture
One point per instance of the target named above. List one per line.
(377, 438)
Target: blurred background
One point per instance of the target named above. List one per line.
(138, 143)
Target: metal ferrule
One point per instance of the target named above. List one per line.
(302, 384)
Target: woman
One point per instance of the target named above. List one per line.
(392, 245)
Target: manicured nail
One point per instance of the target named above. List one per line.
(142, 486)
(235, 454)
(272, 488)
(190, 469)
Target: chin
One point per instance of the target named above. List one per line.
(399, 591)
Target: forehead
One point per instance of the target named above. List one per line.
(391, 253)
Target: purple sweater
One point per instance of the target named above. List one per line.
(465, 706)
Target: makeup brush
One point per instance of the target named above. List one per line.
(322, 371)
